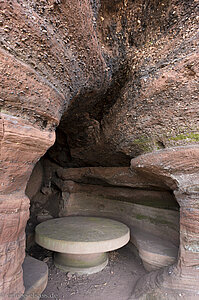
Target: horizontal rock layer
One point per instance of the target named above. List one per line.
(159, 199)
(154, 231)
(115, 176)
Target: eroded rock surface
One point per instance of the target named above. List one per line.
(156, 101)
(121, 80)
(21, 146)
(179, 165)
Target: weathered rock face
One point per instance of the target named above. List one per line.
(115, 176)
(180, 166)
(148, 207)
(57, 43)
(21, 146)
(117, 183)
(119, 78)
(48, 56)
(156, 103)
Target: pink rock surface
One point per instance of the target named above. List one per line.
(21, 146)
(178, 166)
(122, 78)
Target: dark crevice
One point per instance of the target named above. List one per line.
(160, 144)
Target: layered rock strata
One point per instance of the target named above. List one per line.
(127, 72)
(40, 74)
(179, 168)
(21, 146)
(125, 196)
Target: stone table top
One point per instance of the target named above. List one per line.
(82, 235)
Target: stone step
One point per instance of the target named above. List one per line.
(35, 276)
(154, 251)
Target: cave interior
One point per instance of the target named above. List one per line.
(62, 185)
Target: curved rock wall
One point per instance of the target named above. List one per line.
(118, 66)
(121, 80)
(180, 166)
(156, 101)
(21, 146)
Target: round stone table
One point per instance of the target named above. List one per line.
(81, 243)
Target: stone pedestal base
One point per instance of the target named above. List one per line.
(81, 263)
(81, 243)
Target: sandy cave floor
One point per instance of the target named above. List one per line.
(115, 282)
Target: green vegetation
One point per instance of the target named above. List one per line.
(144, 143)
(156, 221)
(192, 136)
